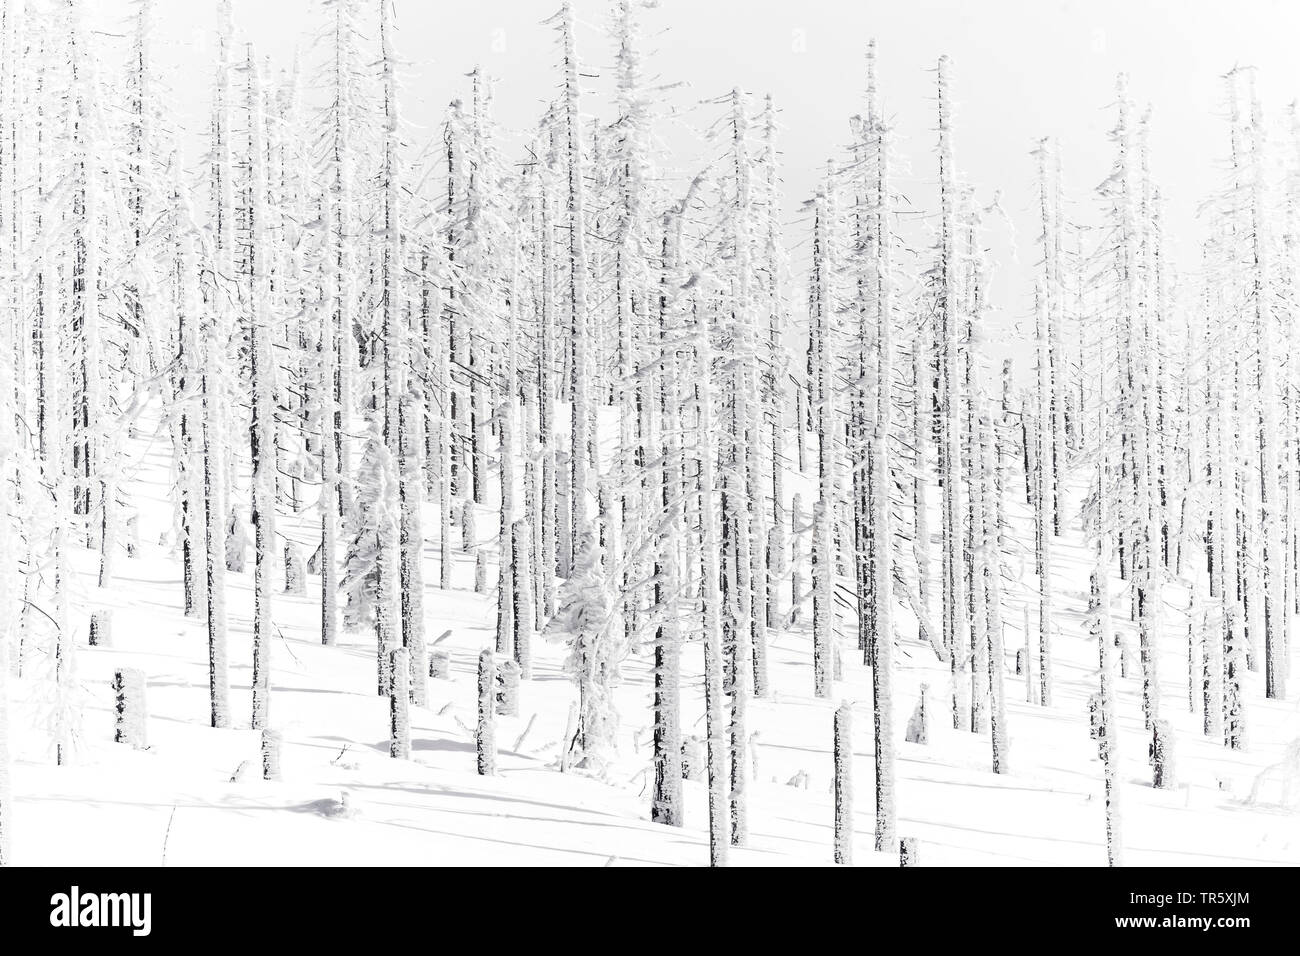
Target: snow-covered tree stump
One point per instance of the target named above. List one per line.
(271, 741)
(508, 689)
(101, 629)
(485, 736)
(908, 851)
(399, 705)
(480, 573)
(468, 528)
(1162, 755)
(295, 576)
(439, 664)
(133, 536)
(129, 703)
(236, 543)
(918, 725)
(844, 784)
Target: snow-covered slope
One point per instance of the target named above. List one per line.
(196, 796)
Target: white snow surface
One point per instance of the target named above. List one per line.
(195, 796)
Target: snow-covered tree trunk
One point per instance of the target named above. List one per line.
(882, 533)
(710, 596)
(399, 706)
(1043, 502)
(522, 612)
(507, 584)
(580, 444)
(920, 433)
(263, 384)
(992, 564)
(1271, 515)
(776, 364)
(844, 784)
(666, 805)
(330, 311)
(1162, 755)
(746, 570)
(390, 599)
(955, 638)
(485, 736)
(823, 308)
(1108, 732)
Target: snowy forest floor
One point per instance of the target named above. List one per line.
(186, 801)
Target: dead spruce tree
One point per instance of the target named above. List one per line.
(949, 403)
(262, 380)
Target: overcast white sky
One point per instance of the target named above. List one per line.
(1023, 69)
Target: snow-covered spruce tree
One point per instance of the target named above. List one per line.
(1043, 495)
(393, 335)
(582, 619)
(1047, 155)
(263, 385)
(184, 277)
(456, 250)
(821, 326)
(881, 271)
(376, 496)
(1142, 412)
(296, 291)
(630, 183)
(742, 565)
(344, 139)
(218, 296)
(90, 394)
(772, 271)
(505, 413)
(1108, 732)
(440, 415)
(865, 381)
(710, 597)
(62, 373)
(580, 444)
(975, 279)
(662, 423)
(951, 325)
(991, 560)
(329, 310)
(485, 276)
(920, 442)
(1271, 517)
(549, 537)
